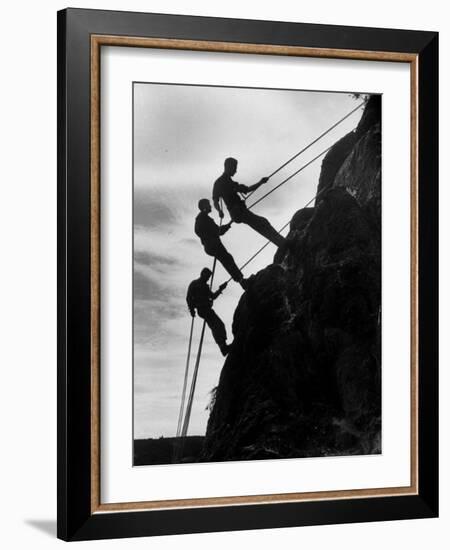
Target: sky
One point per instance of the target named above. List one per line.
(182, 134)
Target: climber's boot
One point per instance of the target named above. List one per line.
(225, 349)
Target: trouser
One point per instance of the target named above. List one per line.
(218, 251)
(215, 324)
(241, 214)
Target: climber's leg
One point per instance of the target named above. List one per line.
(216, 326)
(261, 225)
(226, 259)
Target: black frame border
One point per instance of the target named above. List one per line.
(75, 520)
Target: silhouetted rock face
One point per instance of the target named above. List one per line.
(303, 377)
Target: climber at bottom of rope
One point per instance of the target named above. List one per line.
(200, 297)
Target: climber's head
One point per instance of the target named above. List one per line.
(204, 205)
(205, 274)
(230, 166)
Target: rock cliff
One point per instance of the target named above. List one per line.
(304, 374)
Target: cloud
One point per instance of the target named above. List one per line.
(151, 259)
(151, 212)
(189, 241)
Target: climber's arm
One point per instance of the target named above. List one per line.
(219, 291)
(249, 188)
(216, 195)
(224, 228)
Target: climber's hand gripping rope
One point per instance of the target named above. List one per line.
(223, 286)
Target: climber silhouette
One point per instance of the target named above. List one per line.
(210, 233)
(200, 297)
(227, 189)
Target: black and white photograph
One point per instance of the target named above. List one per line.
(225, 300)
(256, 273)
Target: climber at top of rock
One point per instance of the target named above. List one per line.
(200, 297)
(227, 189)
(210, 233)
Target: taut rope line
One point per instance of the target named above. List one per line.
(290, 177)
(186, 373)
(323, 134)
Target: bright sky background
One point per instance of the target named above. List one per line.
(182, 134)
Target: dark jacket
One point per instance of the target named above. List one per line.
(227, 189)
(200, 296)
(207, 229)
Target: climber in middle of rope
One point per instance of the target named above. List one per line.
(227, 189)
(209, 233)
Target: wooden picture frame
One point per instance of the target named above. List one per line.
(81, 35)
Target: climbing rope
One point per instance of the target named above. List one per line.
(290, 177)
(312, 143)
(187, 417)
(186, 373)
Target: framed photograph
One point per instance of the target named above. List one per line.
(247, 255)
